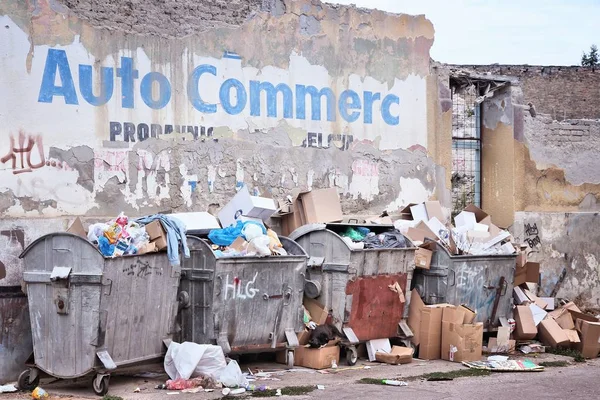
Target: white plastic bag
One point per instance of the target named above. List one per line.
(251, 231)
(187, 360)
(260, 245)
(232, 376)
(95, 231)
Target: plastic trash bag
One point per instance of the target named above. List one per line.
(251, 231)
(105, 247)
(187, 359)
(96, 231)
(232, 376)
(260, 246)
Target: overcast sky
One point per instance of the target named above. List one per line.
(535, 32)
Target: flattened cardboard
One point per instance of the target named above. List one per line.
(419, 212)
(378, 345)
(585, 317)
(420, 233)
(319, 314)
(538, 313)
(465, 219)
(550, 303)
(414, 316)
(434, 209)
(423, 258)
(76, 228)
(480, 215)
(551, 334)
(538, 302)
(590, 334)
(573, 336)
(519, 296)
(161, 243)
(406, 214)
(528, 273)
(239, 244)
(525, 328)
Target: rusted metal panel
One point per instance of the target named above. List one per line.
(15, 333)
(376, 310)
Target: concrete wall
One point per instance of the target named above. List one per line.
(110, 110)
(563, 92)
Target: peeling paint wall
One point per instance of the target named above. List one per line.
(106, 110)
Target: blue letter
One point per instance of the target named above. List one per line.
(271, 91)
(353, 105)
(315, 95)
(369, 99)
(224, 95)
(57, 60)
(85, 85)
(164, 90)
(127, 75)
(192, 89)
(385, 109)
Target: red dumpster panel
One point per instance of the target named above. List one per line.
(376, 309)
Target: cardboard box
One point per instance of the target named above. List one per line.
(525, 325)
(536, 300)
(239, 244)
(77, 228)
(147, 248)
(398, 355)
(317, 206)
(420, 233)
(423, 258)
(244, 204)
(155, 230)
(519, 296)
(419, 212)
(573, 336)
(480, 215)
(584, 317)
(590, 334)
(551, 334)
(161, 243)
(494, 348)
(406, 214)
(559, 311)
(469, 315)
(465, 219)
(550, 301)
(460, 342)
(318, 313)
(565, 320)
(434, 210)
(317, 358)
(530, 272)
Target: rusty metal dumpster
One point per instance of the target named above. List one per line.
(243, 304)
(354, 284)
(91, 314)
(483, 283)
(15, 332)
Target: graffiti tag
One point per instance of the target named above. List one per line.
(236, 288)
(532, 237)
(142, 269)
(23, 151)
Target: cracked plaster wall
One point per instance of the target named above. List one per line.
(61, 160)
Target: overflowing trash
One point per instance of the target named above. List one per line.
(125, 236)
(245, 239)
(363, 238)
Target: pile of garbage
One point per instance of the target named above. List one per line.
(246, 239)
(125, 236)
(473, 232)
(361, 237)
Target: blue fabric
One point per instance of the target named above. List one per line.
(175, 234)
(226, 236)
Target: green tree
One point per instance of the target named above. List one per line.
(591, 59)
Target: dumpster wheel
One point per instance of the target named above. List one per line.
(100, 384)
(351, 355)
(290, 359)
(24, 383)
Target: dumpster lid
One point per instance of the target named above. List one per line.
(44, 237)
(303, 230)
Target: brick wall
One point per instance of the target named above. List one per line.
(167, 18)
(562, 92)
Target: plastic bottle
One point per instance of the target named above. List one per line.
(393, 383)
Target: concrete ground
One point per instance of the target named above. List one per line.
(576, 380)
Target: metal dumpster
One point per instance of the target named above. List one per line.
(354, 284)
(15, 332)
(95, 314)
(483, 283)
(243, 304)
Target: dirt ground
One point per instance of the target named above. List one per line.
(341, 380)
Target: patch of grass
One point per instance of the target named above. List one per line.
(461, 373)
(286, 391)
(577, 357)
(108, 397)
(554, 364)
(371, 381)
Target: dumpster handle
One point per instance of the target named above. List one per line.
(219, 286)
(453, 277)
